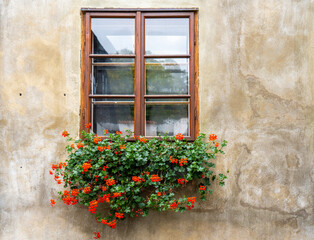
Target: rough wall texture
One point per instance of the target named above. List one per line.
(256, 91)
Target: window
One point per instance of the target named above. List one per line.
(139, 71)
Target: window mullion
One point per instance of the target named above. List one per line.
(138, 63)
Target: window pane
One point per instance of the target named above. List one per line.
(114, 117)
(167, 118)
(113, 76)
(113, 35)
(166, 36)
(167, 76)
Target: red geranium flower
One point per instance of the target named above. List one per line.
(52, 202)
(65, 133)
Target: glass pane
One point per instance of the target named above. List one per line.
(114, 117)
(166, 36)
(167, 118)
(113, 35)
(167, 76)
(113, 76)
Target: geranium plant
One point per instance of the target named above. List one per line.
(133, 177)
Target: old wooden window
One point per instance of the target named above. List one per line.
(139, 71)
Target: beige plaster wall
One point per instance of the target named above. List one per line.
(256, 91)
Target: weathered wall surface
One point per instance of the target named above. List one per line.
(256, 91)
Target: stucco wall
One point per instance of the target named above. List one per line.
(256, 91)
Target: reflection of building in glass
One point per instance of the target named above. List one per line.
(111, 76)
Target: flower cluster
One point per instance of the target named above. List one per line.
(119, 215)
(138, 179)
(97, 140)
(179, 136)
(174, 205)
(134, 177)
(65, 133)
(97, 235)
(86, 166)
(212, 137)
(102, 148)
(182, 181)
(79, 145)
(92, 206)
(87, 190)
(142, 139)
(181, 162)
(110, 182)
(67, 199)
(52, 202)
(155, 178)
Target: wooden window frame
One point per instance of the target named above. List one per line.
(139, 59)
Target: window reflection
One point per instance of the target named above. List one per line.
(113, 35)
(167, 76)
(166, 36)
(167, 119)
(113, 76)
(113, 117)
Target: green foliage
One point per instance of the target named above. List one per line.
(133, 177)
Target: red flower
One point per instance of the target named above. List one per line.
(110, 182)
(173, 160)
(155, 178)
(112, 224)
(142, 139)
(67, 199)
(52, 202)
(104, 221)
(174, 205)
(88, 125)
(182, 161)
(97, 140)
(74, 192)
(87, 190)
(117, 132)
(97, 235)
(86, 166)
(217, 144)
(212, 137)
(116, 195)
(72, 145)
(159, 194)
(202, 188)
(179, 136)
(106, 131)
(191, 199)
(122, 147)
(190, 207)
(65, 133)
(51, 173)
(135, 178)
(182, 181)
(119, 215)
(104, 188)
(54, 166)
(79, 145)
(92, 206)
